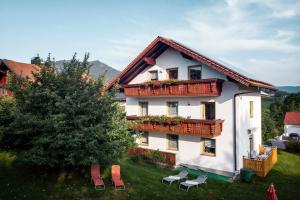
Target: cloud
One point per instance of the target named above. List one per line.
(123, 50)
(283, 71)
(282, 9)
(233, 26)
(231, 29)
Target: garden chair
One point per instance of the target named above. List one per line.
(170, 179)
(195, 182)
(96, 179)
(116, 177)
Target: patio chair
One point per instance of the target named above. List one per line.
(195, 182)
(116, 177)
(170, 179)
(96, 179)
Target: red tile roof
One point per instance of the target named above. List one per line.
(160, 44)
(292, 118)
(21, 69)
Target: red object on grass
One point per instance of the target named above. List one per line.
(96, 178)
(271, 194)
(116, 177)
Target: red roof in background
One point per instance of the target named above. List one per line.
(21, 69)
(191, 53)
(292, 118)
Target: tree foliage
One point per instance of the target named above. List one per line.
(64, 118)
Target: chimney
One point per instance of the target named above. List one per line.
(36, 60)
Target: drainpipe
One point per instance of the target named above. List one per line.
(235, 127)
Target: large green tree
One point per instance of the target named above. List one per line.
(65, 118)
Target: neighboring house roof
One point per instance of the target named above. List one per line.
(292, 118)
(21, 69)
(160, 44)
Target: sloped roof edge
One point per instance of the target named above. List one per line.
(21, 69)
(198, 57)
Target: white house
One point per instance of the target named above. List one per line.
(291, 123)
(220, 108)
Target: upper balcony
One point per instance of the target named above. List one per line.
(204, 87)
(194, 127)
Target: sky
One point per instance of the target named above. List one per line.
(259, 37)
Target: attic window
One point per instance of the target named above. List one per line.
(195, 72)
(173, 73)
(153, 75)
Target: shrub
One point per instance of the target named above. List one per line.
(162, 119)
(154, 156)
(136, 158)
(7, 106)
(293, 146)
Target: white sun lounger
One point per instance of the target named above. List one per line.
(195, 182)
(170, 179)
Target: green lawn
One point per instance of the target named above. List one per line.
(142, 181)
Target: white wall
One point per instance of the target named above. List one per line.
(245, 123)
(291, 129)
(189, 146)
(173, 59)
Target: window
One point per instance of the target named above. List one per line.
(173, 73)
(143, 108)
(144, 138)
(172, 142)
(208, 147)
(153, 75)
(195, 72)
(172, 108)
(251, 143)
(207, 110)
(251, 109)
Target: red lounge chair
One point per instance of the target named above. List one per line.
(96, 178)
(116, 177)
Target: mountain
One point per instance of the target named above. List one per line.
(96, 69)
(289, 89)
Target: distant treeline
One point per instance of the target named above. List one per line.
(273, 112)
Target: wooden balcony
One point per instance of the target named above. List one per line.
(205, 87)
(261, 167)
(194, 127)
(169, 158)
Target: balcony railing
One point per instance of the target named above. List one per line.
(261, 167)
(169, 158)
(205, 87)
(195, 127)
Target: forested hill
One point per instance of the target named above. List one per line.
(289, 89)
(96, 69)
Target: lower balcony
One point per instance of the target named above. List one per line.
(193, 127)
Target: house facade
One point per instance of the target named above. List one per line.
(13, 68)
(192, 107)
(291, 123)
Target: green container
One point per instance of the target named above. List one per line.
(247, 175)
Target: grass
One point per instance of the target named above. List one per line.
(142, 182)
